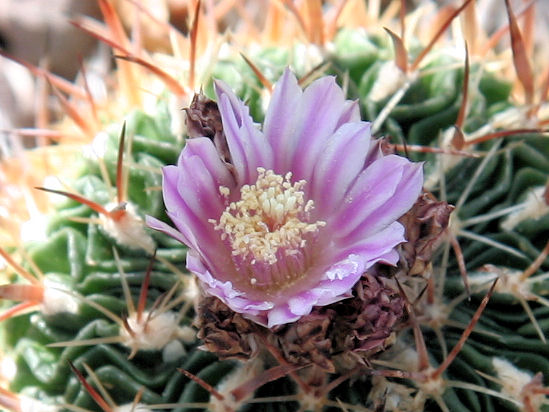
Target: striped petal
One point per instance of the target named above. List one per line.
(382, 193)
(339, 165)
(248, 147)
(378, 247)
(281, 120)
(319, 111)
(404, 195)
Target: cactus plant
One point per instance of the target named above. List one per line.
(109, 317)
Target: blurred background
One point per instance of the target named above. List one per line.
(40, 33)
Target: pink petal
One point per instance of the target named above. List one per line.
(178, 211)
(373, 187)
(189, 206)
(200, 190)
(207, 242)
(350, 114)
(319, 113)
(339, 280)
(302, 303)
(186, 238)
(404, 196)
(382, 193)
(204, 148)
(374, 153)
(379, 246)
(224, 290)
(280, 315)
(339, 165)
(336, 285)
(249, 148)
(281, 120)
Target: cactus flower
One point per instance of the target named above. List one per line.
(298, 212)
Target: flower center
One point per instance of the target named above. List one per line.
(269, 230)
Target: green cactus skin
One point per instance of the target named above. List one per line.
(81, 256)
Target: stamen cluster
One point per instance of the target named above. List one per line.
(270, 219)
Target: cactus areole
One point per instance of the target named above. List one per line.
(300, 210)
